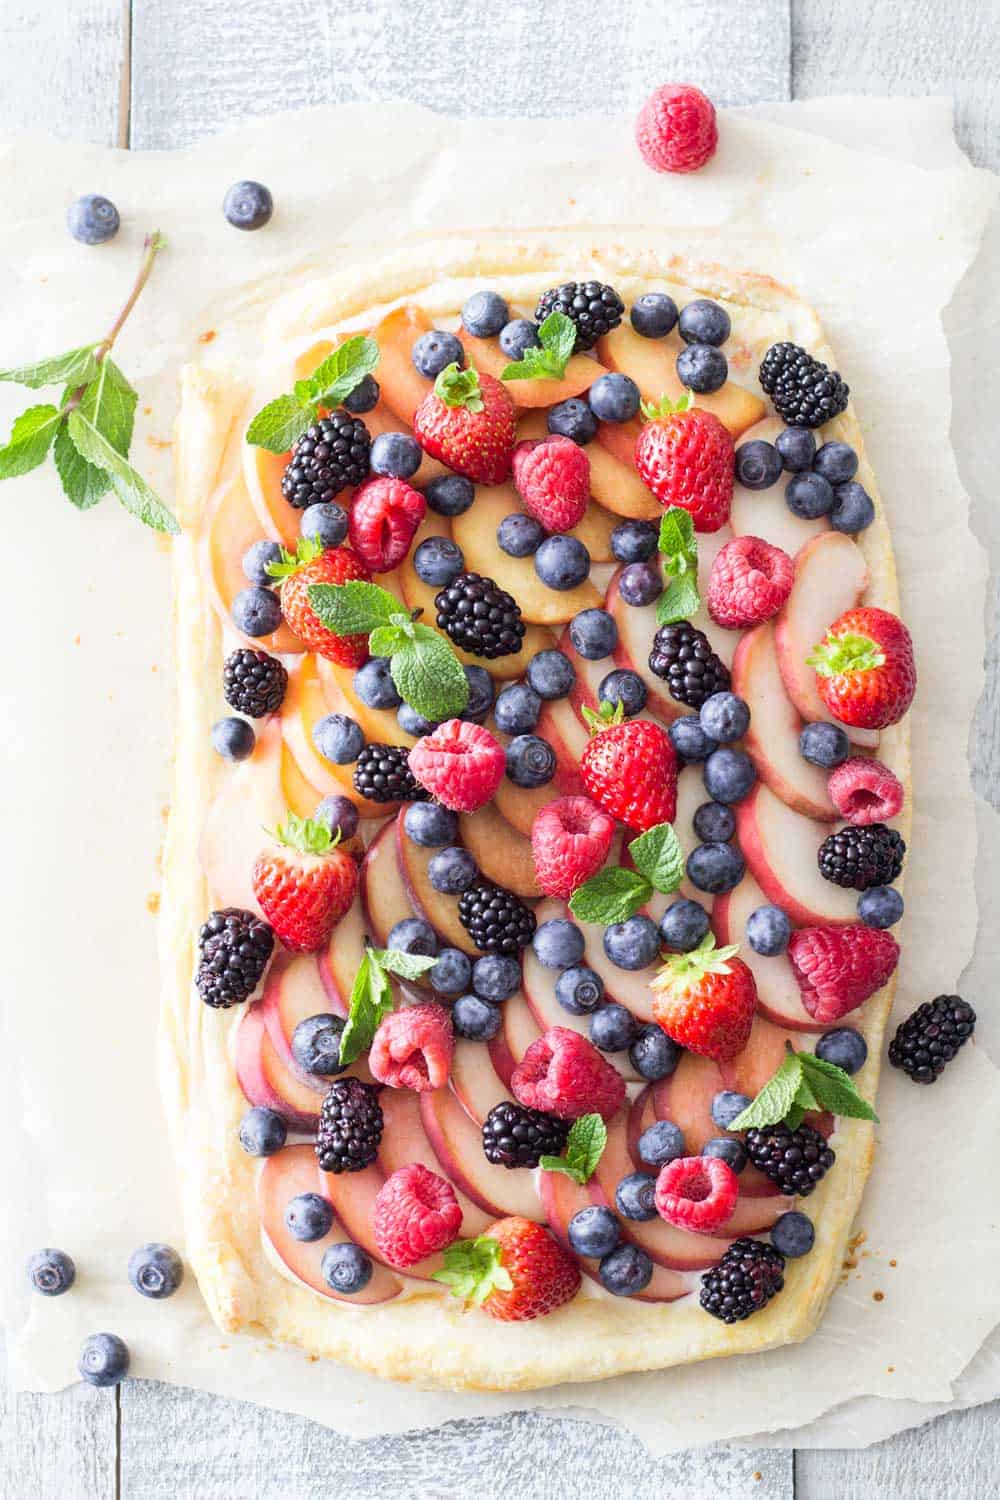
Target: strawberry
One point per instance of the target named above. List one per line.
(838, 968)
(552, 478)
(865, 670)
(705, 1000)
(630, 768)
(297, 575)
(515, 1271)
(467, 421)
(304, 883)
(686, 457)
(570, 840)
(749, 582)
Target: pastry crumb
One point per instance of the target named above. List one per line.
(160, 444)
(893, 1264)
(878, 1296)
(207, 336)
(153, 903)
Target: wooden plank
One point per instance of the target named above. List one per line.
(57, 1446)
(63, 69)
(954, 1456)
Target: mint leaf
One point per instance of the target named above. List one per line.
(371, 1000)
(429, 676)
(31, 437)
(109, 402)
(776, 1097)
(677, 532)
(131, 489)
(585, 1145)
(72, 368)
(657, 854)
(557, 340)
(280, 424)
(384, 640)
(679, 548)
(473, 1269)
(353, 608)
(679, 601)
(83, 483)
(612, 895)
(405, 965)
(834, 1089)
(342, 371)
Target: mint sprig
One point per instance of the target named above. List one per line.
(616, 893)
(802, 1083)
(585, 1145)
(280, 424)
(679, 549)
(548, 361)
(473, 1269)
(371, 996)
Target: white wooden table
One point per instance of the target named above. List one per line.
(162, 73)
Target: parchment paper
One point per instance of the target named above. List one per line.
(878, 246)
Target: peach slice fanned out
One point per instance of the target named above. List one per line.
(487, 356)
(517, 1032)
(475, 1080)
(404, 1142)
(230, 528)
(402, 386)
(264, 1078)
(614, 482)
(383, 895)
(249, 800)
(501, 852)
(305, 704)
(440, 910)
(780, 847)
(652, 364)
(562, 1198)
(778, 995)
(379, 725)
(458, 1145)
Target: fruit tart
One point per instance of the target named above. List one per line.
(533, 874)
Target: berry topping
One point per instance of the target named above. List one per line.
(234, 947)
(865, 791)
(594, 308)
(104, 1359)
(552, 478)
(744, 1281)
(928, 1039)
(593, 1231)
(346, 1268)
(450, 494)
(654, 315)
(838, 968)
(515, 1271)
(685, 456)
(480, 617)
(435, 350)
(564, 1074)
(412, 1048)
(805, 393)
(495, 919)
(684, 923)
(382, 774)
(316, 1044)
(635, 1197)
(696, 1193)
(248, 205)
(702, 368)
(660, 1143)
(705, 1000)
(676, 129)
(614, 398)
(308, 1217)
(516, 1136)
(484, 314)
(311, 566)
(467, 421)
(475, 1019)
(262, 1131)
(416, 1214)
(93, 219)
(531, 761)
(233, 739)
(572, 419)
(51, 1272)
(793, 1234)
(795, 1160)
(845, 1048)
(562, 562)
(758, 465)
(684, 659)
(749, 582)
(384, 516)
(323, 523)
(459, 764)
(626, 1272)
(630, 769)
(824, 745)
(859, 858)
(304, 882)
(331, 455)
(350, 1127)
(570, 840)
(881, 906)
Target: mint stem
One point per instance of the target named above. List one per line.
(151, 246)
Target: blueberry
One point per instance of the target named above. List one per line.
(364, 397)
(308, 1217)
(837, 462)
(758, 464)
(768, 931)
(562, 562)
(92, 219)
(690, 740)
(724, 717)
(593, 634)
(516, 336)
(635, 1196)
(639, 584)
(634, 541)
(414, 935)
(633, 944)
(853, 508)
(517, 708)
(574, 419)
(519, 535)
(809, 496)
(450, 494)
(579, 990)
(729, 774)
(475, 1019)
(256, 611)
(797, 447)
(51, 1272)
(614, 398)
(624, 687)
(625, 1271)
(495, 977)
(397, 455)
(438, 561)
(844, 1047)
(593, 1231)
(262, 1131)
(452, 972)
(714, 823)
(653, 1054)
(683, 925)
(728, 1149)
(793, 1234)
(346, 1268)
(612, 1028)
(558, 944)
(531, 761)
(430, 825)
(338, 812)
(704, 322)
(155, 1270)
(233, 739)
(316, 1044)
(824, 744)
(880, 906)
(654, 315)
(338, 738)
(256, 560)
(325, 523)
(660, 1143)
(435, 350)
(452, 871)
(715, 867)
(702, 368)
(726, 1106)
(551, 673)
(104, 1359)
(248, 205)
(374, 685)
(480, 694)
(413, 723)
(484, 314)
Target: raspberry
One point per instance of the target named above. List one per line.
(749, 582)
(865, 791)
(552, 478)
(412, 1048)
(565, 1075)
(416, 1213)
(838, 968)
(384, 515)
(676, 129)
(460, 764)
(570, 839)
(697, 1193)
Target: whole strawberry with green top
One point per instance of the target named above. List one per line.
(468, 422)
(629, 767)
(686, 457)
(304, 883)
(705, 1000)
(296, 575)
(865, 672)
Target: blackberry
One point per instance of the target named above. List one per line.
(804, 391)
(253, 683)
(235, 946)
(382, 774)
(480, 617)
(496, 921)
(350, 1126)
(327, 458)
(593, 307)
(515, 1136)
(859, 858)
(928, 1039)
(795, 1159)
(683, 657)
(744, 1281)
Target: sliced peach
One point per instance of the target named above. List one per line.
(614, 482)
(474, 1079)
(502, 854)
(262, 471)
(265, 1080)
(231, 527)
(781, 847)
(402, 386)
(305, 704)
(561, 1199)
(379, 725)
(579, 376)
(439, 910)
(300, 795)
(340, 960)
(558, 724)
(652, 364)
(248, 800)
(383, 895)
(405, 1143)
(518, 1031)
(458, 1145)
(779, 998)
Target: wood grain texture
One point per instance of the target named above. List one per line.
(954, 1458)
(57, 1446)
(64, 67)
